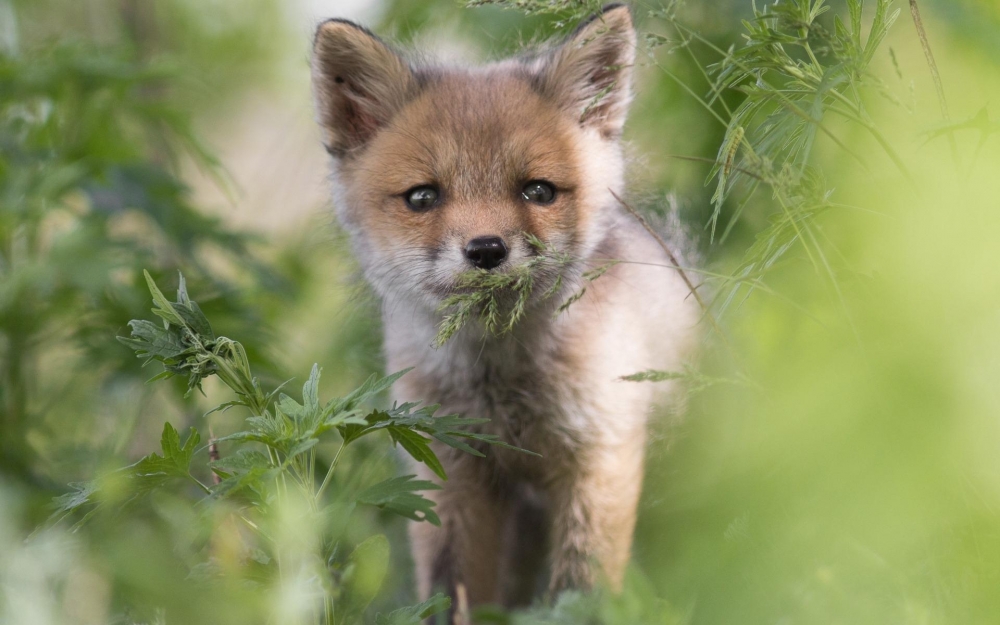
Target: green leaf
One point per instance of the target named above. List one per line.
(310, 390)
(81, 494)
(654, 376)
(249, 484)
(223, 407)
(398, 495)
(162, 307)
(372, 386)
(136, 480)
(176, 458)
(243, 460)
(300, 448)
(291, 408)
(415, 614)
(152, 341)
(191, 312)
(418, 447)
(363, 576)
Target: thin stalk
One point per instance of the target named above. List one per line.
(208, 491)
(716, 92)
(918, 23)
(701, 159)
(798, 233)
(329, 473)
(786, 102)
(804, 33)
(673, 259)
(874, 131)
(683, 85)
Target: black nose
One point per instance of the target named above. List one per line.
(486, 252)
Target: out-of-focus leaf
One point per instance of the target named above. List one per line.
(135, 480)
(415, 614)
(398, 495)
(362, 578)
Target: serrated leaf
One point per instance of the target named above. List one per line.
(79, 496)
(138, 479)
(371, 387)
(195, 320)
(418, 447)
(250, 483)
(149, 340)
(398, 495)
(301, 448)
(310, 390)
(176, 458)
(243, 460)
(290, 408)
(191, 312)
(163, 308)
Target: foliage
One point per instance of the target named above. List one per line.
(499, 300)
(289, 432)
(839, 462)
(572, 9)
(88, 196)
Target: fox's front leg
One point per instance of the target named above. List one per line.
(465, 549)
(594, 516)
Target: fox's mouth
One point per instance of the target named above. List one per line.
(499, 281)
(529, 270)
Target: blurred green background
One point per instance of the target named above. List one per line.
(851, 474)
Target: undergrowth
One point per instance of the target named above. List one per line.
(795, 70)
(273, 462)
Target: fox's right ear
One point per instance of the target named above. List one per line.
(359, 84)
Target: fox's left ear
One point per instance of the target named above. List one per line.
(590, 75)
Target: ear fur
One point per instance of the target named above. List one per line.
(590, 74)
(359, 84)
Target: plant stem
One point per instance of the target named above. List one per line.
(858, 117)
(935, 74)
(208, 491)
(329, 473)
(676, 265)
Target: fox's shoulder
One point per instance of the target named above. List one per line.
(640, 303)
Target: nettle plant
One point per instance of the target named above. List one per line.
(272, 472)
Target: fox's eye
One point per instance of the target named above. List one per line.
(422, 198)
(538, 192)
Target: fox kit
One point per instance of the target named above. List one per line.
(439, 170)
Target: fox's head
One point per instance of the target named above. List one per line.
(439, 170)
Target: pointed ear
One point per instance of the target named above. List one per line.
(590, 74)
(359, 84)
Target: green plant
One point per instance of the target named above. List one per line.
(498, 301)
(274, 462)
(90, 194)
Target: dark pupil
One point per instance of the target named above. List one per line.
(539, 192)
(423, 197)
